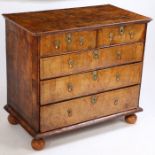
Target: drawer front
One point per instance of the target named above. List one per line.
(92, 82)
(121, 34)
(89, 60)
(56, 44)
(79, 110)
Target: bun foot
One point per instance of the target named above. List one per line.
(12, 120)
(131, 119)
(38, 144)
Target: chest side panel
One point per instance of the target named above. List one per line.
(22, 74)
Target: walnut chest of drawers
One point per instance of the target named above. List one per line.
(71, 68)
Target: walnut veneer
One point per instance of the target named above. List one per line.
(67, 74)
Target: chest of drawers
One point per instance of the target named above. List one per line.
(71, 68)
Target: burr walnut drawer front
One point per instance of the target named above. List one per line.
(88, 60)
(55, 44)
(121, 34)
(87, 108)
(77, 85)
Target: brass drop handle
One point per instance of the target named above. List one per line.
(69, 112)
(117, 76)
(131, 35)
(95, 75)
(93, 99)
(70, 87)
(118, 55)
(116, 101)
(122, 30)
(57, 44)
(70, 63)
(81, 41)
(96, 54)
(69, 38)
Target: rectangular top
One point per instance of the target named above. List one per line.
(74, 18)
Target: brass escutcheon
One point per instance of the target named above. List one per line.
(93, 99)
(70, 87)
(117, 76)
(111, 35)
(122, 30)
(116, 101)
(131, 35)
(69, 112)
(118, 55)
(69, 38)
(96, 54)
(81, 41)
(70, 63)
(57, 44)
(95, 75)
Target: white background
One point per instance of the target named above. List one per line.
(114, 137)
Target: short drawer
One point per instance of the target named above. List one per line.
(79, 110)
(121, 34)
(55, 44)
(77, 85)
(93, 59)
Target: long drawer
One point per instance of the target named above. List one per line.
(84, 61)
(88, 83)
(79, 110)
